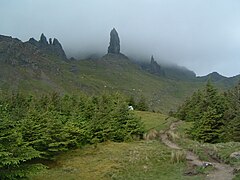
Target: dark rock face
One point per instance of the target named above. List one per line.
(6, 38)
(43, 40)
(57, 49)
(114, 45)
(50, 41)
(33, 41)
(15, 52)
(155, 68)
(53, 47)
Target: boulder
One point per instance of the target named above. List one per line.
(235, 155)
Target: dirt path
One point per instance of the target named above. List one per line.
(221, 172)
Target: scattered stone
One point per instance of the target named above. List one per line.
(235, 155)
(236, 171)
(114, 45)
(190, 173)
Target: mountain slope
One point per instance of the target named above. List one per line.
(39, 68)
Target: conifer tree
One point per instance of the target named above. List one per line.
(142, 105)
(206, 110)
(232, 115)
(14, 151)
(208, 126)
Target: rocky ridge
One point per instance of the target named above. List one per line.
(52, 47)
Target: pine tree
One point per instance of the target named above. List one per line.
(191, 110)
(142, 105)
(206, 110)
(208, 126)
(14, 151)
(232, 115)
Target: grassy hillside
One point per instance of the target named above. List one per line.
(94, 76)
(29, 68)
(108, 74)
(114, 74)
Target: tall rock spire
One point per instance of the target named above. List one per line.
(57, 48)
(152, 59)
(53, 47)
(155, 68)
(114, 45)
(43, 39)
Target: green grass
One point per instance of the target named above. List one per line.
(137, 160)
(132, 161)
(156, 121)
(97, 76)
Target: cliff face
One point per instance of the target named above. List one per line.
(31, 53)
(52, 47)
(155, 68)
(15, 52)
(114, 45)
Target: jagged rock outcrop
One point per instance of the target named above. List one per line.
(33, 41)
(57, 48)
(52, 47)
(15, 52)
(153, 67)
(114, 45)
(50, 41)
(168, 71)
(43, 40)
(7, 38)
(31, 53)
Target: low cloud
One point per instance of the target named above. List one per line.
(202, 35)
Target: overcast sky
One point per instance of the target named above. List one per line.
(202, 35)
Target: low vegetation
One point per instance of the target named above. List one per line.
(39, 128)
(215, 116)
(132, 160)
(219, 152)
(98, 137)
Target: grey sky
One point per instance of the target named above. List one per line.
(203, 35)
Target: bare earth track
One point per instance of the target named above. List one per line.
(221, 172)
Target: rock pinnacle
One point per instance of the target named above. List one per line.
(114, 45)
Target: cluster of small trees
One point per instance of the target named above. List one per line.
(215, 116)
(140, 105)
(35, 128)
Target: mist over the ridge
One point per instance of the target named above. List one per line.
(202, 35)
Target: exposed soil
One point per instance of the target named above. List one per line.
(221, 171)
